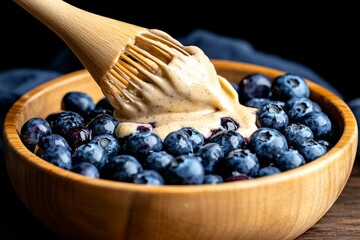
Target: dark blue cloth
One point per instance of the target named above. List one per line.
(16, 82)
(223, 47)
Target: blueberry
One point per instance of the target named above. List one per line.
(79, 102)
(178, 143)
(254, 86)
(92, 153)
(184, 170)
(103, 123)
(319, 123)
(87, 169)
(241, 161)
(289, 159)
(289, 85)
(297, 133)
(52, 117)
(58, 155)
(293, 100)
(311, 150)
(195, 137)
(236, 176)
(228, 140)
(272, 115)
(33, 130)
(213, 179)
(77, 136)
(157, 161)
(266, 142)
(140, 144)
(299, 107)
(121, 168)
(148, 177)
(210, 155)
(51, 140)
(109, 142)
(268, 171)
(63, 121)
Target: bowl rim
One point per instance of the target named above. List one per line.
(347, 136)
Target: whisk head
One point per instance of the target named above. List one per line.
(156, 80)
(140, 70)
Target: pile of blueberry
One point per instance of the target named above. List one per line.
(292, 131)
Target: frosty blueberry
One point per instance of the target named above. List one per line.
(92, 153)
(210, 155)
(266, 142)
(121, 168)
(148, 177)
(272, 115)
(289, 85)
(77, 101)
(109, 142)
(61, 122)
(178, 143)
(102, 124)
(242, 161)
(86, 169)
(254, 86)
(184, 170)
(228, 140)
(157, 161)
(32, 131)
(141, 144)
(58, 156)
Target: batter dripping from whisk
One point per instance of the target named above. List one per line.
(157, 80)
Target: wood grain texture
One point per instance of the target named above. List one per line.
(342, 221)
(283, 206)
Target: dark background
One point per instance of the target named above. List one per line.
(323, 38)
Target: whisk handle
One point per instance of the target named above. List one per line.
(96, 40)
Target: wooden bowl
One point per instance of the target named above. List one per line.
(281, 206)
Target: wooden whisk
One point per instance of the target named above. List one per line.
(121, 57)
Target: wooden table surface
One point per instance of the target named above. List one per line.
(341, 222)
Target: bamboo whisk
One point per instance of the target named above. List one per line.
(148, 76)
(121, 57)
